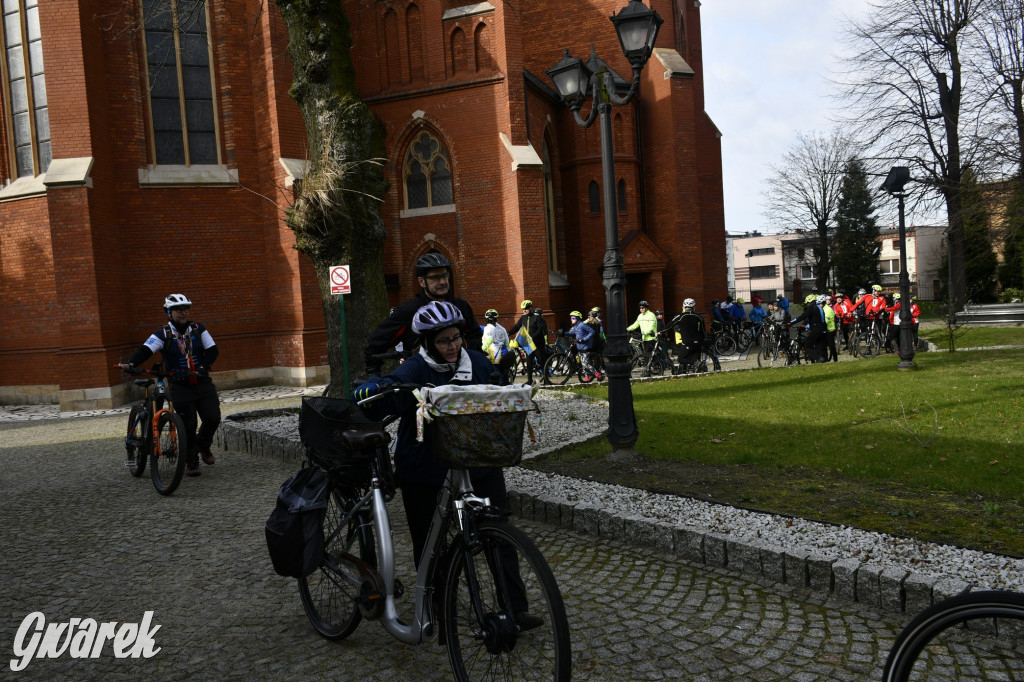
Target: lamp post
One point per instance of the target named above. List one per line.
(750, 280)
(894, 183)
(637, 28)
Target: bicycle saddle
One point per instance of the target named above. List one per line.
(362, 440)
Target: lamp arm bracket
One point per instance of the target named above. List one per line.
(594, 107)
(633, 87)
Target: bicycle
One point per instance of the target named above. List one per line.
(156, 433)
(561, 365)
(476, 570)
(868, 343)
(912, 655)
(707, 361)
(644, 363)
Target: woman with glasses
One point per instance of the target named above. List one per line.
(441, 359)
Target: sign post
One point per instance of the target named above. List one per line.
(341, 284)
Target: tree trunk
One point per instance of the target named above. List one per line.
(336, 216)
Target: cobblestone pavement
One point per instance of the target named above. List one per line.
(83, 539)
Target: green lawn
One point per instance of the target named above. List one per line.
(976, 336)
(935, 452)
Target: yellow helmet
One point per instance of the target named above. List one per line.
(876, 287)
(526, 304)
(576, 314)
(810, 298)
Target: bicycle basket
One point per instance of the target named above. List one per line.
(477, 426)
(321, 423)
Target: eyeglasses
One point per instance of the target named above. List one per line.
(455, 340)
(184, 308)
(436, 278)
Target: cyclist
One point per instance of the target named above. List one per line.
(594, 322)
(783, 303)
(892, 334)
(830, 328)
(188, 351)
(495, 343)
(584, 335)
(915, 313)
(815, 318)
(647, 323)
(532, 322)
(757, 317)
(844, 312)
(737, 315)
(874, 308)
(717, 319)
(441, 359)
(689, 329)
(434, 274)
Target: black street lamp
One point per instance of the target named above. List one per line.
(894, 183)
(637, 27)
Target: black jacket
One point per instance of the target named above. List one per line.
(397, 328)
(814, 316)
(690, 327)
(536, 327)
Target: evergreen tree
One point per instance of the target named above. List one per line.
(856, 238)
(979, 257)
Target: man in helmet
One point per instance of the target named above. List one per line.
(188, 351)
(844, 318)
(814, 316)
(717, 318)
(495, 344)
(433, 273)
(532, 321)
(689, 331)
(594, 322)
(783, 303)
(830, 328)
(892, 333)
(874, 308)
(647, 323)
(584, 335)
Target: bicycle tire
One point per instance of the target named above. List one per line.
(497, 648)
(135, 440)
(331, 595)
(766, 356)
(725, 345)
(874, 347)
(167, 461)
(557, 369)
(938, 618)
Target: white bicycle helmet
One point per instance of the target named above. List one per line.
(822, 299)
(436, 315)
(176, 301)
(689, 303)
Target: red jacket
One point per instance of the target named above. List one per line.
(844, 309)
(874, 306)
(892, 312)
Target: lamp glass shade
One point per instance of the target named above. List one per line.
(571, 77)
(637, 27)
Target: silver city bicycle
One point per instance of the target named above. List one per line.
(483, 589)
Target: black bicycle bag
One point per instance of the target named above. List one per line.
(295, 537)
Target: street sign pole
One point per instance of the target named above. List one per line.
(341, 284)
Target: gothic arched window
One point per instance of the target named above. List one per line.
(427, 174)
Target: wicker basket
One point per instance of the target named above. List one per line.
(321, 423)
(483, 439)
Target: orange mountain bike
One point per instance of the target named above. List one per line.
(156, 433)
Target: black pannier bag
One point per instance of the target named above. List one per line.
(294, 530)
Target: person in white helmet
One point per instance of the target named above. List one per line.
(188, 351)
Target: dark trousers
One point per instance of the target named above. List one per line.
(420, 501)
(830, 347)
(194, 403)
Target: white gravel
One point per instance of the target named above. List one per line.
(568, 418)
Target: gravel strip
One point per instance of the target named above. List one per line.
(568, 418)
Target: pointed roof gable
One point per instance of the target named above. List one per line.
(641, 254)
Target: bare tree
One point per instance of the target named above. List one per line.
(1004, 46)
(336, 216)
(906, 96)
(803, 191)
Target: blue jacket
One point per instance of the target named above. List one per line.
(414, 461)
(584, 335)
(784, 304)
(757, 313)
(737, 313)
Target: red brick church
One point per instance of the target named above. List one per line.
(152, 147)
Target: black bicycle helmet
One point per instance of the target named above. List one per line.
(436, 315)
(491, 315)
(659, 312)
(644, 304)
(430, 261)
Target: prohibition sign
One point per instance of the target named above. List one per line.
(340, 283)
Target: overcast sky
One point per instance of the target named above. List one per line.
(766, 67)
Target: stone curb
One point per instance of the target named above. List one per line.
(888, 589)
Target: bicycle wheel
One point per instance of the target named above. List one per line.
(874, 347)
(927, 647)
(557, 369)
(490, 576)
(138, 422)
(331, 595)
(725, 345)
(766, 356)
(167, 461)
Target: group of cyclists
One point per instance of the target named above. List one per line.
(832, 320)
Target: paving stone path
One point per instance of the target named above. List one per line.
(83, 539)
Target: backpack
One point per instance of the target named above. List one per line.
(295, 537)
